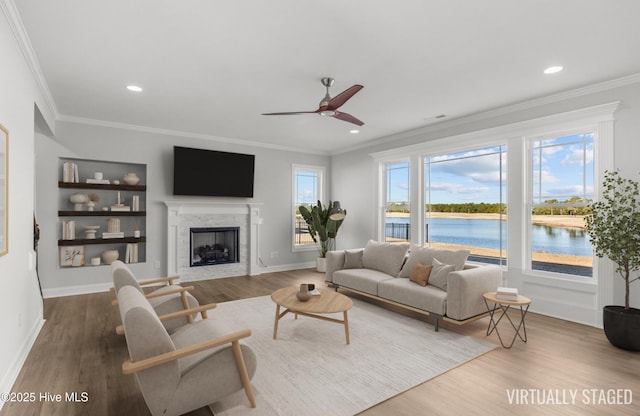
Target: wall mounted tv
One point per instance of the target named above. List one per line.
(200, 172)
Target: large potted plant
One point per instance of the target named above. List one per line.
(614, 230)
(323, 223)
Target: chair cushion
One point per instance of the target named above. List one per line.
(384, 257)
(122, 276)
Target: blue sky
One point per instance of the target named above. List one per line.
(306, 187)
(474, 176)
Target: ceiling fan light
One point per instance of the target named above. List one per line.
(327, 113)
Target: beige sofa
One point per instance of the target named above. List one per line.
(389, 272)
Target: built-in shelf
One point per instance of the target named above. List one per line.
(73, 253)
(86, 241)
(102, 213)
(102, 186)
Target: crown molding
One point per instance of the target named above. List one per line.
(22, 38)
(167, 132)
(499, 111)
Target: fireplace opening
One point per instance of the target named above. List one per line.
(210, 246)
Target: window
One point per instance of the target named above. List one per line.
(465, 195)
(307, 190)
(561, 186)
(397, 203)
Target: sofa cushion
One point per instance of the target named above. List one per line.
(364, 280)
(428, 298)
(353, 259)
(420, 274)
(439, 273)
(425, 255)
(384, 257)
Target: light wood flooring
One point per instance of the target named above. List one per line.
(79, 351)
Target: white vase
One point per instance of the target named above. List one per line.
(109, 256)
(321, 264)
(78, 200)
(131, 179)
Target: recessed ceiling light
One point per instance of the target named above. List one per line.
(134, 88)
(553, 69)
(354, 131)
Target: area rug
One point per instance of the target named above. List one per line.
(310, 370)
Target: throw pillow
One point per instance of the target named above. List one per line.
(439, 273)
(425, 255)
(384, 257)
(420, 274)
(353, 259)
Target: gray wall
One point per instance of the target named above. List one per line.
(273, 188)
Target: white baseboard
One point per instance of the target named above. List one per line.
(287, 267)
(75, 290)
(105, 287)
(7, 382)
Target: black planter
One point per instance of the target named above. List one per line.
(622, 327)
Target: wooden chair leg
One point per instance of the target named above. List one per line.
(242, 368)
(185, 304)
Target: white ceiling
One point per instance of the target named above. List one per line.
(212, 67)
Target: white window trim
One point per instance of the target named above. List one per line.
(382, 193)
(321, 192)
(592, 128)
(578, 299)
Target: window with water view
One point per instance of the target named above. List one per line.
(398, 209)
(562, 185)
(465, 206)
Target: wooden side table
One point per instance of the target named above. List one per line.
(504, 305)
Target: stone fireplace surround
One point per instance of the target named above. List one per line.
(184, 215)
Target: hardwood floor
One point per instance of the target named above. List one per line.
(79, 352)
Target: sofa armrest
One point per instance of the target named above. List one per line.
(465, 289)
(335, 262)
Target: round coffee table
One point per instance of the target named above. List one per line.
(327, 302)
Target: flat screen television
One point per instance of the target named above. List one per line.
(200, 172)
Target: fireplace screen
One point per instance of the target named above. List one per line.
(211, 246)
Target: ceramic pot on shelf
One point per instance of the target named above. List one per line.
(131, 179)
(78, 200)
(109, 256)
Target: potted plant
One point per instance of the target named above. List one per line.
(323, 223)
(614, 230)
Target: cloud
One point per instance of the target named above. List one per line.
(476, 166)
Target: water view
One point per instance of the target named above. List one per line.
(486, 233)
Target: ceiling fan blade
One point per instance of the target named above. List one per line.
(290, 113)
(342, 98)
(348, 118)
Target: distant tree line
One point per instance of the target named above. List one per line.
(572, 206)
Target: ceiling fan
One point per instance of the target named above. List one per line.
(329, 106)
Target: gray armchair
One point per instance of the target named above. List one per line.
(197, 365)
(169, 298)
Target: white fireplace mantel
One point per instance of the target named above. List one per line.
(177, 210)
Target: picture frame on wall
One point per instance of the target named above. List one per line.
(4, 190)
(72, 256)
